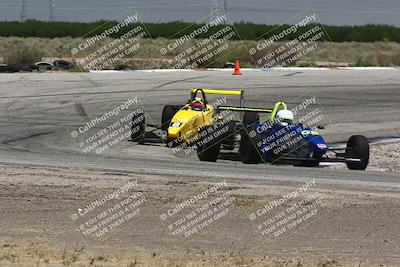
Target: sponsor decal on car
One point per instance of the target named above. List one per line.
(321, 146)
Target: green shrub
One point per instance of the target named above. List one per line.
(176, 29)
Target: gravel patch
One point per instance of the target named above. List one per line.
(385, 157)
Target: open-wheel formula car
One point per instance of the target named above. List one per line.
(185, 121)
(294, 143)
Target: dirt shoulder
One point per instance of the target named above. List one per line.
(48, 218)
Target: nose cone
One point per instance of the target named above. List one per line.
(174, 132)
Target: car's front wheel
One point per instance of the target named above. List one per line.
(357, 148)
(167, 115)
(209, 149)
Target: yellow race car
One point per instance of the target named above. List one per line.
(184, 124)
(199, 125)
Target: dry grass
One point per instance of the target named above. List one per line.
(148, 55)
(23, 54)
(32, 255)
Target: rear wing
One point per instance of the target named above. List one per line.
(258, 110)
(239, 93)
(245, 109)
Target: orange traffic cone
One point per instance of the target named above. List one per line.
(237, 68)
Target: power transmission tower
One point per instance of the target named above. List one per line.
(225, 11)
(51, 10)
(216, 10)
(213, 10)
(225, 6)
(23, 11)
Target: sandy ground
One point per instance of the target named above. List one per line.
(354, 226)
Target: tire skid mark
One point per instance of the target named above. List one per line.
(292, 74)
(25, 137)
(110, 92)
(81, 111)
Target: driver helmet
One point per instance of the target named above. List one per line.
(284, 117)
(197, 104)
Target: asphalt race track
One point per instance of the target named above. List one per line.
(51, 170)
(38, 111)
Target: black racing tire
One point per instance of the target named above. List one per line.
(4, 68)
(209, 151)
(248, 151)
(18, 67)
(138, 120)
(228, 140)
(357, 147)
(63, 64)
(167, 115)
(122, 67)
(250, 118)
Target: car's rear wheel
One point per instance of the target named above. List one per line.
(248, 151)
(357, 147)
(228, 139)
(250, 118)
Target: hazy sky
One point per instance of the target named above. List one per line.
(349, 12)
